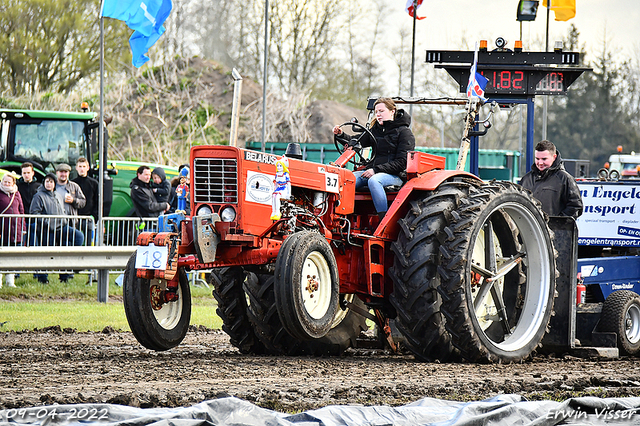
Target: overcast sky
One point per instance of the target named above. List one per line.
(447, 21)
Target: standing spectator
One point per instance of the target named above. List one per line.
(11, 227)
(53, 230)
(28, 186)
(73, 198)
(161, 186)
(552, 184)
(70, 192)
(90, 189)
(142, 195)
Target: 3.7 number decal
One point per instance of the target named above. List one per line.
(332, 182)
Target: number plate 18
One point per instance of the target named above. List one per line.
(152, 257)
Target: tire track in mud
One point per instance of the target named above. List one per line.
(66, 367)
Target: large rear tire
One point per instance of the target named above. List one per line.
(157, 326)
(497, 273)
(415, 279)
(306, 285)
(232, 308)
(345, 329)
(621, 315)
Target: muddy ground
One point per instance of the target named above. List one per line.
(56, 366)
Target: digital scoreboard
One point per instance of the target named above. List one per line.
(519, 74)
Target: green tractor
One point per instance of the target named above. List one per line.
(48, 138)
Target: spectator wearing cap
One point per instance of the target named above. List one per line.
(70, 192)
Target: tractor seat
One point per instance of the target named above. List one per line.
(391, 190)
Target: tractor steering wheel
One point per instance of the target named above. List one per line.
(359, 160)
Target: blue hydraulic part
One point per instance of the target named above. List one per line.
(604, 275)
(170, 222)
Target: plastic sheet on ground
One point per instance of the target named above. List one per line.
(508, 410)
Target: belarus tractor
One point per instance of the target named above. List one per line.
(465, 268)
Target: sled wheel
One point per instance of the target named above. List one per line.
(232, 308)
(415, 278)
(497, 273)
(621, 315)
(157, 326)
(306, 285)
(345, 329)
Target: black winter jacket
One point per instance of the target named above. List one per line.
(143, 199)
(91, 189)
(394, 140)
(555, 188)
(47, 203)
(27, 191)
(162, 190)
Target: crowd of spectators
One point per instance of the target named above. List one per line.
(58, 201)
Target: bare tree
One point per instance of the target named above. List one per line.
(302, 36)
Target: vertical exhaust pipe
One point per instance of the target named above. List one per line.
(235, 110)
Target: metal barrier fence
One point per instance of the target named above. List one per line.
(59, 231)
(49, 243)
(123, 231)
(31, 230)
(63, 244)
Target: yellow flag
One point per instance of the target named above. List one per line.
(564, 9)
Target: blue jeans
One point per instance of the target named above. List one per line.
(68, 236)
(376, 184)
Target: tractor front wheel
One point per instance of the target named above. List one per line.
(156, 324)
(306, 285)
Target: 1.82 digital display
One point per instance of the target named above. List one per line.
(518, 82)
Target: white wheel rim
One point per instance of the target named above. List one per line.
(341, 314)
(168, 316)
(487, 312)
(632, 324)
(315, 285)
(538, 286)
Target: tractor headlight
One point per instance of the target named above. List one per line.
(204, 210)
(228, 214)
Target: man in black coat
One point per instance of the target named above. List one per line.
(90, 189)
(28, 185)
(142, 195)
(552, 184)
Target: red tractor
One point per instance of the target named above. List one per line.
(465, 268)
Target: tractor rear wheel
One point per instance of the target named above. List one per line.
(306, 285)
(497, 273)
(621, 315)
(345, 329)
(157, 325)
(415, 279)
(232, 308)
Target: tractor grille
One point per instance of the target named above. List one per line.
(215, 180)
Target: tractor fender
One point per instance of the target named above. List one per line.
(428, 181)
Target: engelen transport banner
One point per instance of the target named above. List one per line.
(611, 214)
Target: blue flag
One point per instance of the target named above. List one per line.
(145, 17)
(477, 82)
